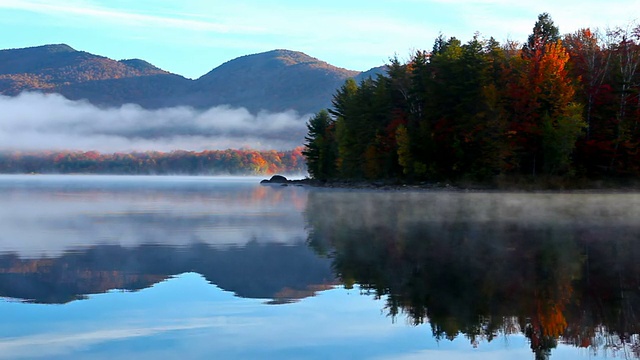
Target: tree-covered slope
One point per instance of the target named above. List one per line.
(276, 80)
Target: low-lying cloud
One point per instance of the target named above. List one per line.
(36, 121)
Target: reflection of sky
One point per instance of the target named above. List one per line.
(185, 317)
(47, 215)
(200, 321)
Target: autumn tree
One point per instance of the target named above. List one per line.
(543, 108)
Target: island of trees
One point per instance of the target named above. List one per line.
(555, 107)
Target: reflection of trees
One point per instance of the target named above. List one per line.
(481, 278)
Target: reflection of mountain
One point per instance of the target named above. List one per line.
(269, 271)
(548, 275)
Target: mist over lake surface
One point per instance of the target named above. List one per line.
(207, 267)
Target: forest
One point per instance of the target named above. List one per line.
(564, 107)
(209, 162)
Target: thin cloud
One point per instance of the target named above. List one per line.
(124, 17)
(35, 121)
(85, 338)
(192, 37)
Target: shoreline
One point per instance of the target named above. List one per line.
(540, 186)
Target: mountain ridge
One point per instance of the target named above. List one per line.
(276, 80)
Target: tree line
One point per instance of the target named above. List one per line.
(209, 162)
(565, 106)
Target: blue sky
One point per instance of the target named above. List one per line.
(191, 37)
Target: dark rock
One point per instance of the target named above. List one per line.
(276, 179)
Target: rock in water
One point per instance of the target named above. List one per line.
(275, 179)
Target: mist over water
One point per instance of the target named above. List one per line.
(487, 275)
(36, 121)
(368, 208)
(47, 215)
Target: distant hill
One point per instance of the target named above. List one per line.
(81, 75)
(371, 73)
(277, 80)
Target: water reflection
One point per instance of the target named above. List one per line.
(556, 268)
(263, 271)
(63, 237)
(48, 215)
(542, 268)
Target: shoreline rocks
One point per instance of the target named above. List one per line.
(396, 185)
(280, 180)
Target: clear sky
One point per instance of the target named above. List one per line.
(191, 37)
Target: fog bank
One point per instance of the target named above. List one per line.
(35, 121)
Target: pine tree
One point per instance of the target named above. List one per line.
(320, 148)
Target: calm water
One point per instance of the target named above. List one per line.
(199, 267)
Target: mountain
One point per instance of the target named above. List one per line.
(81, 75)
(276, 80)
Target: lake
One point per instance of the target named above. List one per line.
(104, 267)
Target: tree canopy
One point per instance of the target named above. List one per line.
(566, 106)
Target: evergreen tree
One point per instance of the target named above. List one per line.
(320, 148)
(544, 32)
